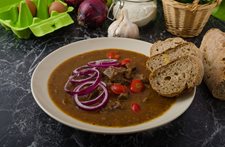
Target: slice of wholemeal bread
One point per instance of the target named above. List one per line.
(160, 46)
(172, 79)
(172, 54)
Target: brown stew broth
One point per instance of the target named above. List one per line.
(154, 106)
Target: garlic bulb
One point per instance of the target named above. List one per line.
(123, 27)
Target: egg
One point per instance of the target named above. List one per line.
(32, 7)
(57, 6)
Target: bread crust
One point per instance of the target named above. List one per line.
(188, 82)
(161, 46)
(213, 49)
(171, 54)
(175, 65)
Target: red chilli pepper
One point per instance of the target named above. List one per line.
(113, 55)
(125, 61)
(118, 88)
(135, 107)
(136, 86)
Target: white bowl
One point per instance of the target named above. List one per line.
(48, 64)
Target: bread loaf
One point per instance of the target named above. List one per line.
(170, 55)
(213, 49)
(183, 73)
(160, 46)
(175, 65)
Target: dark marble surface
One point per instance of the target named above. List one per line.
(24, 124)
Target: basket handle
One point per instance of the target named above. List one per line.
(218, 2)
(195, 1)
(195, 4)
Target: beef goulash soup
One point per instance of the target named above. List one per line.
(107, 88)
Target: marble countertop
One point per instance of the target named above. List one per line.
(24, 124)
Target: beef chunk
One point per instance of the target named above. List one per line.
(113, 105)
(113, 72)
(107, 81)
(123, 96)
(130, 68)
(116, 75)
(93, 94)
(147, 85)
(121, 80)
(142, 77)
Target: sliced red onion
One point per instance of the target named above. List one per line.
(95, 107)
(66, 88)
(91, 87)
(88, 72)
(104, 84)
(104, 63)
(87, 90)
(86, 79)
(81, 69)
(93, 101)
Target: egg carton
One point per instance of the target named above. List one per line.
(23, 24)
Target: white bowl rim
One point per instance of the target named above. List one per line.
(179, 107)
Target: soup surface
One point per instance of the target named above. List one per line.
(118, 112)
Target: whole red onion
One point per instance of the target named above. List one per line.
(92, 13)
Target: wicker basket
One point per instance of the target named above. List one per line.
(186, 20)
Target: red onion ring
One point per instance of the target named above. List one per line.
(91, 87)
(66, 87)
(81, 69)
(104, 63)
(86, 90)
(95, 107)
(86, 72)
(89, 83)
